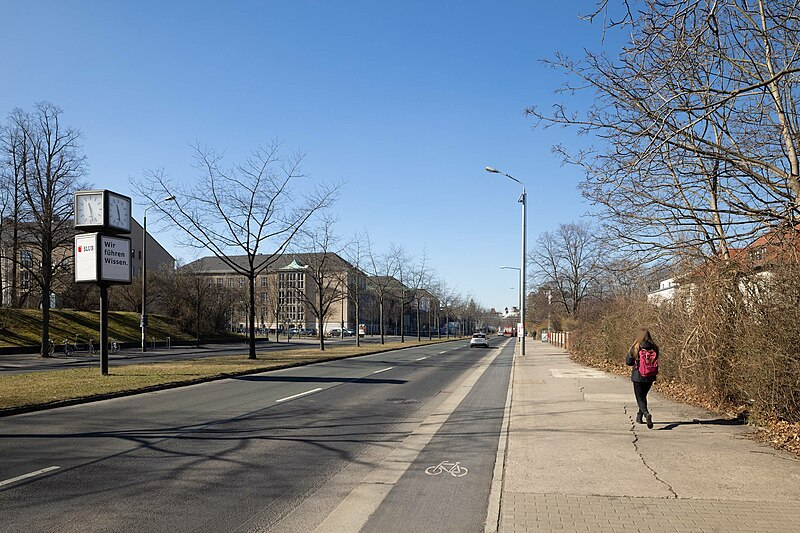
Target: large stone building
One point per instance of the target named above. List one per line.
(287, 291)
(287, 295)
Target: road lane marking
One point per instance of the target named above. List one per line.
(353, 512)
(421, 358)
(383, 370)
(293, 396)
(28, 475)
(440, 353)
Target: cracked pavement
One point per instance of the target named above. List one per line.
(577, 461)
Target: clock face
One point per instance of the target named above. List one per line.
(119, 212)
(89, 209)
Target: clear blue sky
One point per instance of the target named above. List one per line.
(405, 101)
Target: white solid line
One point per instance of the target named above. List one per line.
(293, 396)
(30, 474)
(383, 370)
(440, 353)
(421, 358)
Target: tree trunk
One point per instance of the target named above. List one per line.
(380, 318)
(251, 329)
(320, 301)
(47, 259)
(418, 331)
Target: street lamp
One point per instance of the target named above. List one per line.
(144, 270)
(523, 201)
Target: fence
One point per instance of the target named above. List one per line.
(561, 339)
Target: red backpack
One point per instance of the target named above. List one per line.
(648, 363)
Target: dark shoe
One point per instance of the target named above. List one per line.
(649, 421)
(639, 418)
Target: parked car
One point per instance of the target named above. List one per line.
(308, 332)
(479, 339)
(335, 332)
(349, 332)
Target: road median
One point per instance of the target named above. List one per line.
(56, 388)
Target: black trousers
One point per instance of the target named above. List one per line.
(640, 390)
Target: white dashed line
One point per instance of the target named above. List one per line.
(383, 370)
(292, 397)
(440, 353)
(421, 358)
(28, 475)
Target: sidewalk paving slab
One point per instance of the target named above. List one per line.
(576, 460)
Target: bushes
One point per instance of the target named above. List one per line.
(730, 335)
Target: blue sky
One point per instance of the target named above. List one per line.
(406, 102)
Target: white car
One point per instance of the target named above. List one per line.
(479, 339)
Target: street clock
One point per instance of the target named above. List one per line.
(102, 210)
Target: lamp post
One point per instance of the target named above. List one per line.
(144, 270)
(523, 201)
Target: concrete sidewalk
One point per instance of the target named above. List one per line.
(576, 461)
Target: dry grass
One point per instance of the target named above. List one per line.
(59, 386)
(22, 327)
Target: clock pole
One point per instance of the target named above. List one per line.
(144, 281)
(104, 329)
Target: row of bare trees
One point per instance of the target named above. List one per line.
(41, 165)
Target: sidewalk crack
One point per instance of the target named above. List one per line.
(635, 443)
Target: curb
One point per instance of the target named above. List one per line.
(11, 411)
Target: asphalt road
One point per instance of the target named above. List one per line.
(274, 451)
(22, 363)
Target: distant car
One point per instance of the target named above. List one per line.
(336, 332)
(479, 339)
(349, 332)
(308, 332)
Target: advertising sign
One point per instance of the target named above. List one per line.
(102, 258)
(520, 330)
(86, 257)
(115, 263)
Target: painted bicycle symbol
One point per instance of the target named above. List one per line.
(453, 468)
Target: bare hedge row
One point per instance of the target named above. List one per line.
(732, 335)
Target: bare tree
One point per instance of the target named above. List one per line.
(323, 271)
(568, 260)
(381, 268)
(14, 166)
(54, 165)
(356, 282)
(699, 130)
(246, 214)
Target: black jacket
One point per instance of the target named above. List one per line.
(631, 360)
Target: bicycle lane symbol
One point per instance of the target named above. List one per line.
(453, 468)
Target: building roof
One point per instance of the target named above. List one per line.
(289, 261)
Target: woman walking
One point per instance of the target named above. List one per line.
(643, 357)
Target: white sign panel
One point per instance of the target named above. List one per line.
(520, 330)
(115, 259)
(86, 257)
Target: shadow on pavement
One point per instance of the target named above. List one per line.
(713, 422)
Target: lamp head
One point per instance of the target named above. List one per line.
(169, 198)
(492, 170)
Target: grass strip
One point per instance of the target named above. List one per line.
(53, 388)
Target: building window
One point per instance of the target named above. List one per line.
(241, 283)
(264, 281)
(220, 282)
